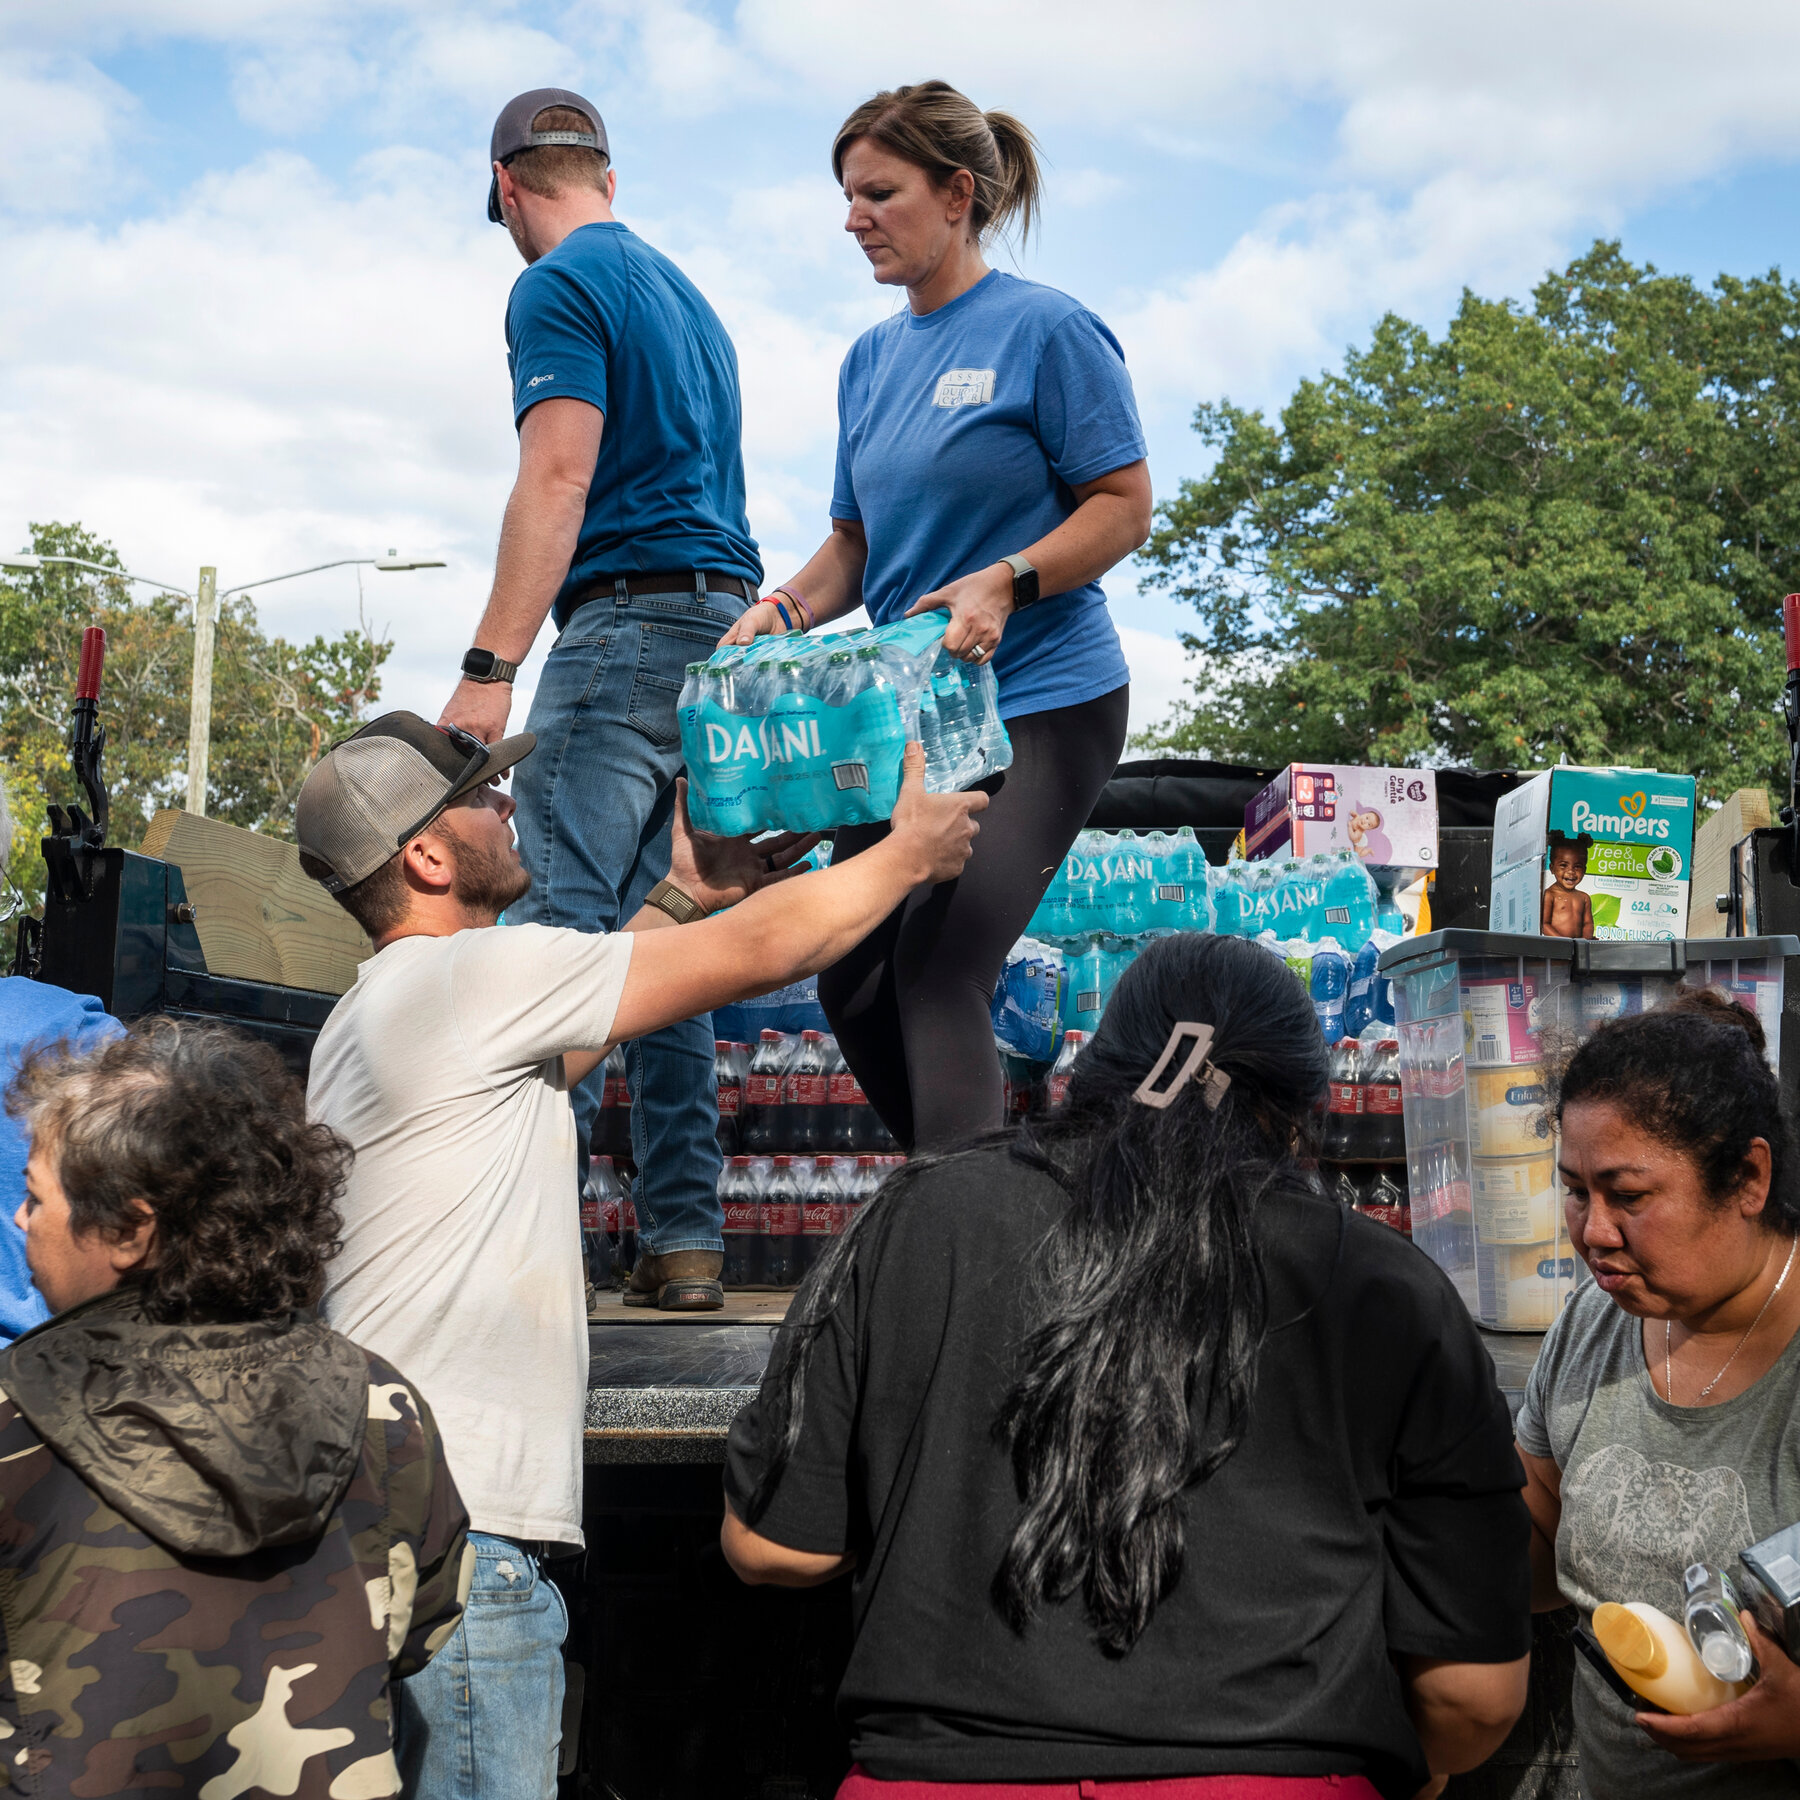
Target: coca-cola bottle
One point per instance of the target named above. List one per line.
(844, 1099)
(819, 1214)
(612, 1129)
(1343, 1117)
(1386, 1201)
(626, 1259)
(599, 1225)
(730, 1085)
(1056, 1087)
(762, 1121)
(781, 1225)
(741, 1200)
(1384, 1131)
(806, 1094)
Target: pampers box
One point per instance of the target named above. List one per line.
(1621, 837)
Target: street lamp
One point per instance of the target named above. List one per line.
(206, 617)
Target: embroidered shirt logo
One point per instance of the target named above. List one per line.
(964, 387)
(537, 378)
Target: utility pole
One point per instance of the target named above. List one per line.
(206, 615)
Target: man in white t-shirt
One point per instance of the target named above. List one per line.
(448, 1067)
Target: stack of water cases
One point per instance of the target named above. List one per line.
(808, 732)
(1485, 1020)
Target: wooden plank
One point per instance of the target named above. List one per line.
(260, 916)
(1745, 811)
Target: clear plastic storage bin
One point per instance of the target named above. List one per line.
(1484, 1019)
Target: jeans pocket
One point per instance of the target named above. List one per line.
(504, 1575)
(664, 652)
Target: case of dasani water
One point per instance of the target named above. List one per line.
(1485, 1021)
(808, 732)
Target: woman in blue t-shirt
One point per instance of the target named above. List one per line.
(990, 465)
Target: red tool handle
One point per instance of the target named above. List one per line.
(93, 660)
(1790, 623)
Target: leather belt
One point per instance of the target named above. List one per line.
(676, 581)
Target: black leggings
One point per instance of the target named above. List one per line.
(910, 1004)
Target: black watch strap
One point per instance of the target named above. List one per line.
(484, 665)
(1025, 581)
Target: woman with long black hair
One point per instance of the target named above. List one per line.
(1152, 1464)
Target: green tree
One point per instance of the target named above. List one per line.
(275, 704)
(1562, 530)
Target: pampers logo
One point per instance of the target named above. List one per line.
(1628, 822)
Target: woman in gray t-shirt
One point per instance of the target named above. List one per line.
(1661, 1425)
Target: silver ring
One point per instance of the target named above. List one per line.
(977, 653)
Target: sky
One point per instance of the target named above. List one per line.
(251, 308)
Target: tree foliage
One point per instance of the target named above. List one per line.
(276, 705)
(1562, 530)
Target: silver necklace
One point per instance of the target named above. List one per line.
(1669, 1332)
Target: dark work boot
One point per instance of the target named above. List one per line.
(682, 1281)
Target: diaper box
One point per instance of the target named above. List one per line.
(1594, 853)
(1389, 817)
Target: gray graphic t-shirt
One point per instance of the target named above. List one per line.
(1648, 1488)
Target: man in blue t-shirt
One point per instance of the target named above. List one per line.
(627, 523)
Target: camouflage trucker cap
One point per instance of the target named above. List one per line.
(366, 796)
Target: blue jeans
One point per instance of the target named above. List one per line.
(594, 808)
(483, 1719)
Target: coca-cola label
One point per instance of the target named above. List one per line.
(815, 1218)
(781, 1218)
(1059, 1089)
(845, 1090)
(609, 1217)
(807, 1090)
(628, 1215)
(1346, 1097)
(615, 1092)
(1382, 1097)
(590, 1212)
(742, 1217)
(730, 1100)
(762, 1090)
(1388, 1214)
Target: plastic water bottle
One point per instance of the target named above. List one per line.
(1301, 900)
(1350, 897)
(956, 731)
(1127, 891)
(1226, 892)
(1188, 869)
(1330, 986)
(796, 751)
(1359, 1003)
(1084, 986)
(1026, 1008)
(1262, 900)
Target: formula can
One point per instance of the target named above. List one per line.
(1517, 1200)
(1509, 1111)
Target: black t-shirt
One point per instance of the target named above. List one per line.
(1372, 1509)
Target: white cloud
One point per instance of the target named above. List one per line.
(60, 124)
(1160, 674)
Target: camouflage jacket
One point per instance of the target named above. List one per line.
(218, 1545)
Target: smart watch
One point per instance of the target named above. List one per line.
(484, 665)
(1025, 582)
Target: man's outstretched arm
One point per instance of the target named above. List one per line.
(794, 927)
